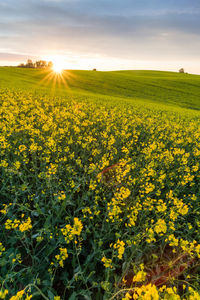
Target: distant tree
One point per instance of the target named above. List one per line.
(37, 64)
(29, 64)
(94, 69)
(181, 70)
(40, 64)
(50, 65)
(43, 64)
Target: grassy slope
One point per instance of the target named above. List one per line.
(154, 86)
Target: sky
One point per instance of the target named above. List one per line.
(102, 34)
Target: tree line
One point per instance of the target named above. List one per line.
(40, 64)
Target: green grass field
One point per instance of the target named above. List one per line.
(181, 90)
(100, 185)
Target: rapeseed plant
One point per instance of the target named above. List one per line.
(91, 189)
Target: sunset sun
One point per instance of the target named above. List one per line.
(58, 63)
(58, 66)
(57, 71)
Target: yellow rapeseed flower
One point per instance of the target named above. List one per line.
(25, 225)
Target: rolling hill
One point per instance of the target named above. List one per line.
(172, 88)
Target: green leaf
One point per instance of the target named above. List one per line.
(50, 295)
(73, 296)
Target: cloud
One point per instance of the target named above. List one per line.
(16, 57)
(137, 29)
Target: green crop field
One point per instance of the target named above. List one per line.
(100, 185)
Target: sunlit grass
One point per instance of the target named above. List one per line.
(56, 80)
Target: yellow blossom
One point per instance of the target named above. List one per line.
(120, 248)
(77, 227)
(25, 225)
(160, 227)
(107, 262)
(3, 294)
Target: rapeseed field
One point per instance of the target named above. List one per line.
(100, 198)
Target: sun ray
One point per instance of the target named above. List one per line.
(57, 77)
